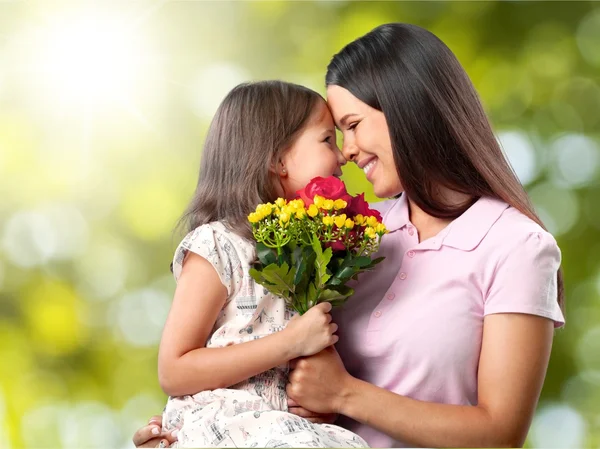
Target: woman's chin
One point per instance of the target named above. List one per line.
(386, 191)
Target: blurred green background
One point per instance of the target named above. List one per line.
(103, 109)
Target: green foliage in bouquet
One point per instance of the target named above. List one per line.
(309, 248)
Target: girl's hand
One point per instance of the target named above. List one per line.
(311, 332)
(151, 436)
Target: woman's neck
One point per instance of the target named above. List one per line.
(427, 225)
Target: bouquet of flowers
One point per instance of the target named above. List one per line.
(310, 247)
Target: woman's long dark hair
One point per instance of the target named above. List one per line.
(440, 134)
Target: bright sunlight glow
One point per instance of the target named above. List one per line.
(91, 60)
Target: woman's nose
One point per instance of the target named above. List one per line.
(350, 152)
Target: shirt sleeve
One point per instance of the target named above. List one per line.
(525, 279)
(213, 246)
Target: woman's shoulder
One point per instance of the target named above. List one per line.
(513, 225)
(516, 236)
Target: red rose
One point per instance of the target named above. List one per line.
(335, 245)
(358, 205)
(331, 188)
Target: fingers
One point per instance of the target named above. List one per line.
(163, 443)
(156, 419)
(333, 328)
(144, 436)
(291, 404)
(324, 307)
(172, 436)
(316, 418)
(307, 414)
(294, 363)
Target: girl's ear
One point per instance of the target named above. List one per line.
(278, 168)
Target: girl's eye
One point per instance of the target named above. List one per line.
(328, 139)
(352, 126)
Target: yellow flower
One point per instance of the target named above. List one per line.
(340, 220)
(280, 202)
(318, 201)
(253, 218)
(349, 224)
(359, 220)
(313, 210)
(301, 213)
(370, 232)
(328, 221)
(339, 204)
(284, 217)
(372, 221)
(264, 210)
(380, 229)
(328, 204)
(297, 204)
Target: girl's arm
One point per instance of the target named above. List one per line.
(514, 357)
(186, 366)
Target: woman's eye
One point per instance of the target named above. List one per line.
(352, 126)
(328, 139)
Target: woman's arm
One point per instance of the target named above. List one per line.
(513, 362)
(186, 366)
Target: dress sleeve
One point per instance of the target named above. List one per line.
(525, 279)
(212, 245)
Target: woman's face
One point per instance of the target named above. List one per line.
(366, 140)
(313, 153)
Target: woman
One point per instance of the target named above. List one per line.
(451, 337)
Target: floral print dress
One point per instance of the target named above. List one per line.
(254, 412)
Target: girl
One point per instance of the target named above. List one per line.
(226, 343)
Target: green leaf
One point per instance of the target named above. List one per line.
(277, 279)
(329, 295)
(304, 262)
(361, 261)
(311, 295)
(265, 255)
(376, 261)
(321, 261)
(260, 279)
(343, 289)
(343, 275)
(285, 256)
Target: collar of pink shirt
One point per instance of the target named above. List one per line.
(464, 233)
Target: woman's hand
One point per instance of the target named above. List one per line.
(319, 383)
(313, 417)
(150, 435)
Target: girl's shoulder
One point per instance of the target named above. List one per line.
(227, 251)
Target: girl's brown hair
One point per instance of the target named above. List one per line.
(440, 134)
(251, 130)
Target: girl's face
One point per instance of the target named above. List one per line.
(314, 153)
(366, 140)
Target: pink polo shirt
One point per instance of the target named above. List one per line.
(414, 325)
